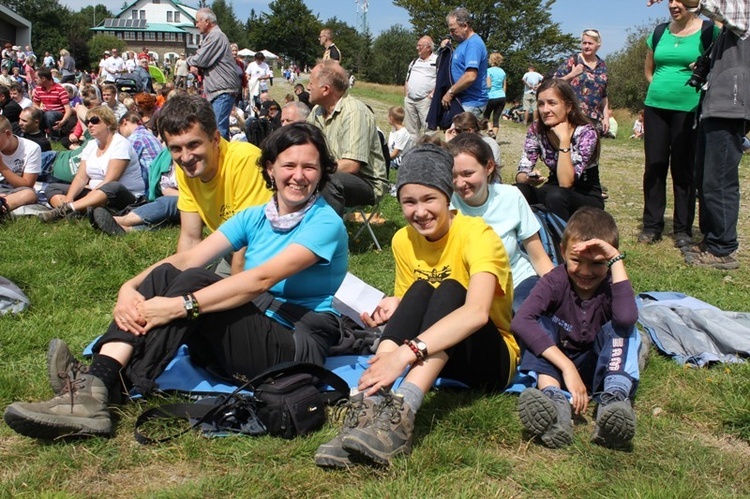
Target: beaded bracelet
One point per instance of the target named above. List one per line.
(616, 259)
(414, 349)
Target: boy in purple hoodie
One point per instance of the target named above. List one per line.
(578, 329)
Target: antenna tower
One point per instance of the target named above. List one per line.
(362, 7)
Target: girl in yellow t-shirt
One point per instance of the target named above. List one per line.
(450, 315)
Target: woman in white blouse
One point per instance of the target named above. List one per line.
(109, 174)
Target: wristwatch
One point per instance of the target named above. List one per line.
(191, 307)
(421, 346)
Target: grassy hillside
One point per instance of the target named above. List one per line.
(693, 425)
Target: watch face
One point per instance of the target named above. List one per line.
(421, 346)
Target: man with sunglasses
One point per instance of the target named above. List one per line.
(724, 118)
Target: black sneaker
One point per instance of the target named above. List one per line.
(103, 220)
(681, 240)
(388, 434)
(360, 411)
(646, 237)
(615, 422)
(546, 416)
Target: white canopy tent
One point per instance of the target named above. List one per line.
(246, 53)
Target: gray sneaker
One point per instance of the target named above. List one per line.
(62, 365)
(360, 411)
(81, 410)
(546, 417)
(388, 434)
(615, 422)
(55, 214)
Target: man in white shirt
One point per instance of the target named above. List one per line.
(16, 93)
(420, 84)
(114, 66)
(258, 74)
(20, 165)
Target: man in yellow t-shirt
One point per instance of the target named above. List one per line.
(216, 178)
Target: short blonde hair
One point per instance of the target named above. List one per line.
(592, 33)
(106, 115)
(496, 58)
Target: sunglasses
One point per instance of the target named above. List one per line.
(94, 120)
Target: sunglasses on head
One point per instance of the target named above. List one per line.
(94, 120)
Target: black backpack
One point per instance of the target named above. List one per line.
(258, 129)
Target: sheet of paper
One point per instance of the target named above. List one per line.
(356, 296)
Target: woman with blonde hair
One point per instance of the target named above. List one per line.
(497, 85)
(109, 173)
(67, 67)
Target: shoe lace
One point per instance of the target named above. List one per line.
(72, 385)
(613, 396)
(388, 413)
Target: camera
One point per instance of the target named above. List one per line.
(701, 67)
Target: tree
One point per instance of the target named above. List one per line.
(390, 61)
(627, 84)
(47, 18)
(521, 30)
(289, 29)
(228, 22)
(100, 43)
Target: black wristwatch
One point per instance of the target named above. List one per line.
(191, 306)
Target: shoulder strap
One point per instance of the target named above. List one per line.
(707, 35)
(658, 32)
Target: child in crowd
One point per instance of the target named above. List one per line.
(638, 129)
(578, 328)
(399, 140)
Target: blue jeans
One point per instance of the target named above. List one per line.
(158, 212)
(717, 178)
(614, 351)
(522, 291)
(222, 106)
(477, 111)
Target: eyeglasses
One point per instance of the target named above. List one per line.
(591, 30)
(94, 120)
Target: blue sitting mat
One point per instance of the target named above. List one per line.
(181, 375)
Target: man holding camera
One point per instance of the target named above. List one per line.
(724, 118)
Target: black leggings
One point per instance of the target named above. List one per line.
(481, 360)
(559, 200)
(241, 341)
(495, 106)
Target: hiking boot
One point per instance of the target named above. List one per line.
(681, 240)
(709, 260)
(61, 365)
(387, 435)
(647, 237)
(546, 416)
(615, 421)
(103, 220)
(80, 410)
(360, 411)
(694, 248)
(55, 214)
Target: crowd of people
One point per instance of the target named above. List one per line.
(476, 297)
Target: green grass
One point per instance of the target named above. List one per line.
(693, 425)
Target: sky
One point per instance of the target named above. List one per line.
(611, 18)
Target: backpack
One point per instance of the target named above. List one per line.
(258, 129)
(707, 34)
(551, 232)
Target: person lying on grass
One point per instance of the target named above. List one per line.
(578, 328)
(296, 251)
(450, 316)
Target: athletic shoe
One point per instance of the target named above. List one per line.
(615, 422)
(360, 411)
(62, 365)
(709, 260)
(646, 237)
(546, 415)
(694, 248)
(682, 240)
(387, 435)
(55, 214)
(103, 220)
(81, 410)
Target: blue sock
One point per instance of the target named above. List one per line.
(618, 383)
(412, 394)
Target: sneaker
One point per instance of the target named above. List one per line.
(387, 435)
(615, 422)
(360, 411)
(646, 237)
(681, 240)
(103, 220)
(709, 260)
(81, 410)
(546, 416)
(62, 365)
(56, 213)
